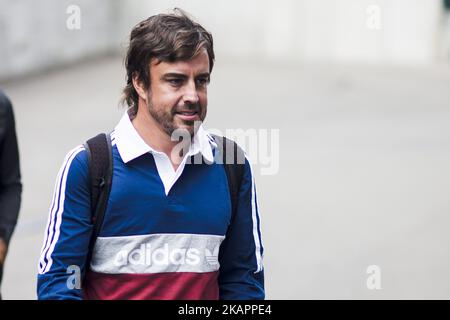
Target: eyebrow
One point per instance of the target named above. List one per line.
(183, 76)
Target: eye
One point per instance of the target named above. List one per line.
(202, 82)
(175, 82)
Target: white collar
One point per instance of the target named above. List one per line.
(130, 144)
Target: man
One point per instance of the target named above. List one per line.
(10, 185)
(168, 231)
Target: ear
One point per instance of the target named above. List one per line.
(139, 86)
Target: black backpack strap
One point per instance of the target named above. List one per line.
(233, 159)
(100, 170)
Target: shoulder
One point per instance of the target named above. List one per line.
(236, 157)
(78, 153)
(234, 152)
(5, 106)
(4, 101)
(75, 164)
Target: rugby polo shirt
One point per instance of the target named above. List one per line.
(166, 233)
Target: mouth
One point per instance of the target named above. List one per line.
(187, 115)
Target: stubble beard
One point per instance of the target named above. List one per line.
(167, 119)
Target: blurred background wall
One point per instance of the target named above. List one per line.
(367, 31)
(34, 36)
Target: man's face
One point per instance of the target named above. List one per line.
(178, 92)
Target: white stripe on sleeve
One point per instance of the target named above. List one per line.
(56, 209)
(255, 218)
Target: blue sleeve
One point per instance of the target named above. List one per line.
(68, 232)
(241, 274)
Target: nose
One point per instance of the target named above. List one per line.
(190, 95)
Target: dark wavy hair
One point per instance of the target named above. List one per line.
(166, 37)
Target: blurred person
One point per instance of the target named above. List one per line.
(167, 228)
(10, 182)
(445, 40)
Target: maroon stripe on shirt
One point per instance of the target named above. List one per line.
(153, 286)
